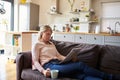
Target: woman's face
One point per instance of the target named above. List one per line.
(46, 36)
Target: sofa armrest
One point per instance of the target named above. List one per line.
(23, 61)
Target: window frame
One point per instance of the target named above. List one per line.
(12, 14)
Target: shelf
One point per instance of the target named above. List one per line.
(74, 12)
(83, 22)
(110, 17)
(80, 12)
(54, 13)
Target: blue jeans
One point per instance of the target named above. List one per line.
(92, 78)
(77, 70)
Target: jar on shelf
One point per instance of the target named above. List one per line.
(67, 29)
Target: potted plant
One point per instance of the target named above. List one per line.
(87, 17)
(76, 28)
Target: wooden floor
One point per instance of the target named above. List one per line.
(7, 68)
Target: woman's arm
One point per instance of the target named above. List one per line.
(35, 58)
(61, 57)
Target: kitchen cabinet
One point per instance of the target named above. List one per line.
(112, 40)
(100, 39)
(80, 38)
(64, 37)
(94, 39)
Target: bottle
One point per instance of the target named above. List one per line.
(97, 29)
(54, 28)
(63, 29)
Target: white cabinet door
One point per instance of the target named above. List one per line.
(80, 38)
(112, 40)
(64, 37)
(95, 39)
(34, 38)
(11, 51)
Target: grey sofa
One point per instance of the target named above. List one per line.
(103, 57)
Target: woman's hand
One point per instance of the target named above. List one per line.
(74, 59)
(46, 72)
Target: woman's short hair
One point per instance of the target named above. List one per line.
(43, 29)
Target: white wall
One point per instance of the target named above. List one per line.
(64, 8)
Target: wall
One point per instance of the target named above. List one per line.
(35, 1)
(58, 20)
(64, 8)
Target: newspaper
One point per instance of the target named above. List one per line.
(69, 57)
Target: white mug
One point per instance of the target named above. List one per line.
(54, 74)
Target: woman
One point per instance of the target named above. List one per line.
(45, 58)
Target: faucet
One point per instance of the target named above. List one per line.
(116, 25)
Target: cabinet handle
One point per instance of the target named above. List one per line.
(95, 38)
(80, 37)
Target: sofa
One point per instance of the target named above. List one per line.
(103, 57)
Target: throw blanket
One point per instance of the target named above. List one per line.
(88, 55)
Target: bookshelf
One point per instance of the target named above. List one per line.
(16, 42)
(12, 44)
(16, 39)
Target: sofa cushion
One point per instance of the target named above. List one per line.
(110, 59)
(29, 74)
(87, 53)
(63, 47)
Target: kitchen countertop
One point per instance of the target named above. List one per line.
(16, 32)
(103, 33)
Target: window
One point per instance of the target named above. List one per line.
(110, 15)
(6, 16)
(111, 10)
